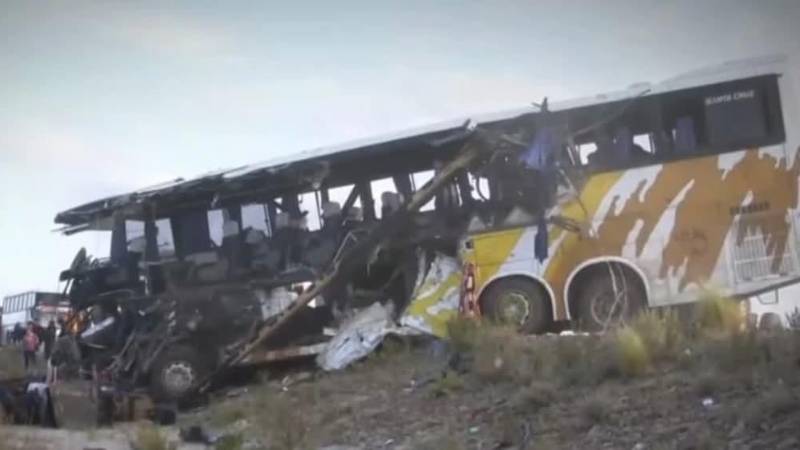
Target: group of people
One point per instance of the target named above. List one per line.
(32, 338)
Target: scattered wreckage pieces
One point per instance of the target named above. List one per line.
(434, 302)
(355, 255)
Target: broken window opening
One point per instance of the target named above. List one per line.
(164, 238)
(387, 199)
(418, 181)
(309, 206)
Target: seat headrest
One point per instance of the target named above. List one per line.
(282, 220)
(330, 209)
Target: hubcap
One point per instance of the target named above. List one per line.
(514, 308)
(178, 377)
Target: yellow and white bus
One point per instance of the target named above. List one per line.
(690, 183)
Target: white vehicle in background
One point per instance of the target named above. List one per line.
(39, 307)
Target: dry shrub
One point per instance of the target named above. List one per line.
(150, 437)
(448, 384)
(729, 352)
(595, 410)
(463, 332)
(632, 355)
(775, 402)
(230, 442)
(780, 352)
(537, 395)
(661, 333)
(499, 354)
(282, 423)
(11, 363)
(716, 313)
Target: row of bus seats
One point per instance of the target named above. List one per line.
(621, 149)
(290, 246)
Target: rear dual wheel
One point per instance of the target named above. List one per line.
(609, 299)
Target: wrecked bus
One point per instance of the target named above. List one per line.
(688, 185)
(577, 212)
(198, 268)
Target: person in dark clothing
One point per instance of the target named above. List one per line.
(19, 333)
(30, 343)
(49, 339)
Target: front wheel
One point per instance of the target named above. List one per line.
(176, 373)
(518, 302)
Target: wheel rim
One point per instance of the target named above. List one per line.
(609, 310)
(178, 377)
(514, 308)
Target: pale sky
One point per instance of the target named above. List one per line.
(99, 98)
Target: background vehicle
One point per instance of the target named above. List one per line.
(32, 306)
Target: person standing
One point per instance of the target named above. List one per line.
(49, 339)
(30, 343)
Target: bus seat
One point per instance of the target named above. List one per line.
(685, 139)
(254, 237)
(331, 209)
(202, 258)
(390, 202)
(354, 214)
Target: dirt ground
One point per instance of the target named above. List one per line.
(413, 399)
(537, 393)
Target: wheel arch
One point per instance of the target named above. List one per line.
(591, 265)
(524, 276)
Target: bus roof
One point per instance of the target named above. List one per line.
(90, 215)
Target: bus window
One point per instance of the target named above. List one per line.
(736, 115)
(309, 204)
(255, 217)
(340, 195)
(585, 151)
(387, 199)
(644, 142)
(419, 179)
(215, 220)
(480, 188)
(164, 238)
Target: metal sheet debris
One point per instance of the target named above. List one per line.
(358, 337)
(436, 297)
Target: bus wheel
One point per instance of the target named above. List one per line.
(602, 307)
(519, 302)
(176, 372)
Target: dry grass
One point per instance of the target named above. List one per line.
(595, 410)
(281, 422)
(773, 403)
(661, 333)
(150, 437)
(537, 395)
(11, 363)
(633, 356)
(448, 384)
(716, 313)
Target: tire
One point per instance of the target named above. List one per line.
(597, 308)
(176, 373)
(519, 302)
